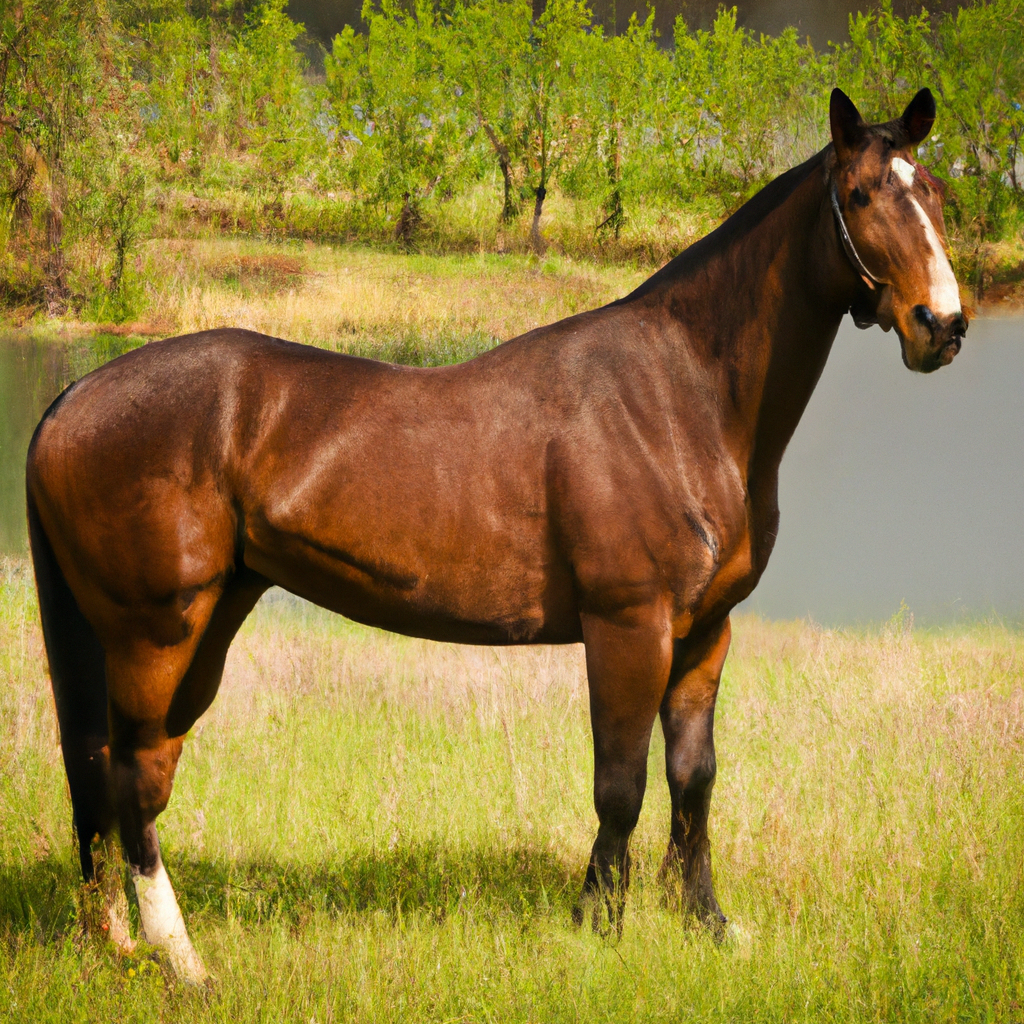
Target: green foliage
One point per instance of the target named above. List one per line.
(396, 112)
(207, 86)
(439, 104)
(889, 58)
(981, 82)
(752, 104)
(54, 92)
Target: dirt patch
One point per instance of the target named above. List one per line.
(1004, 298)
(269, 271)
(1005, 289)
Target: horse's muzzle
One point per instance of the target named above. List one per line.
(947, 335)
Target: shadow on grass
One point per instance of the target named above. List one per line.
(426, 878)
(39, 899)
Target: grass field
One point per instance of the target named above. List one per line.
(371, 828)
(395, 306)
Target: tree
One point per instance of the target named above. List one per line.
(394, 108)
(557, 62)
(56, 66)
(747, 100)
(621, 97)
(488, 57)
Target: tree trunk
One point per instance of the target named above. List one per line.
(539, 245)
(56, 285)
(407, 221)
(616, 213)
(509, 208)
(17, 195)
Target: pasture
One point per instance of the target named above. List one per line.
(371, 828)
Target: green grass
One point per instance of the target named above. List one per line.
(366, 827)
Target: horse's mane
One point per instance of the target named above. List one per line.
(747, 217)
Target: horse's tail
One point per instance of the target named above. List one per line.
(79, 682)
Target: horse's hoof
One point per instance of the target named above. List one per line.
(591, 905)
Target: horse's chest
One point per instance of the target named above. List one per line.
(743, 555)
(731, 581)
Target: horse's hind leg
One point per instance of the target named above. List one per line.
(143, 758)
(628, 662)
(687, 717)
(76, 662)
(156, 694)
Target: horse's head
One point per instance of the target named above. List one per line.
(888, 212)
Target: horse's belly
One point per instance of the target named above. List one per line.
(497, 593)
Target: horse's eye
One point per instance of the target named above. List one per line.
(859, 198)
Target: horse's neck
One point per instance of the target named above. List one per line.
(773, 299)
(811, 298)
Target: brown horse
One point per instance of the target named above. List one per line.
(610, 479)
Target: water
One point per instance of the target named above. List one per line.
(897, 488)
(33, 371)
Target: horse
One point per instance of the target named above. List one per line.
(610, 479)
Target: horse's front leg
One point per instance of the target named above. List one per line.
(628, 661)
(688, 718)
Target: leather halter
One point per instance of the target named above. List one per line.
(858, 264)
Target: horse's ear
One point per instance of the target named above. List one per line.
(919, 116)
(846, 123)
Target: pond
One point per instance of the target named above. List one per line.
(904, 488)
(897, 488)
(33, 371)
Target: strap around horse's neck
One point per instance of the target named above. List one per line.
(858, 264)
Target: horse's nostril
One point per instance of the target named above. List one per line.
(925, 316)
(958, 328)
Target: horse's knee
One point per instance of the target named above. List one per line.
(148, 775)
(691, 767)
(619, 796)
(143, 779)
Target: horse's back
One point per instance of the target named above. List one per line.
(391, 494)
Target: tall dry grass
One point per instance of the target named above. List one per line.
(363, 301)
(368, 827)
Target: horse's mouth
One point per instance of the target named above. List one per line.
(942, 355)
(949, 350)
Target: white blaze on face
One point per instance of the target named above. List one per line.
(903, 170)
(163, 925)
(944, 295)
